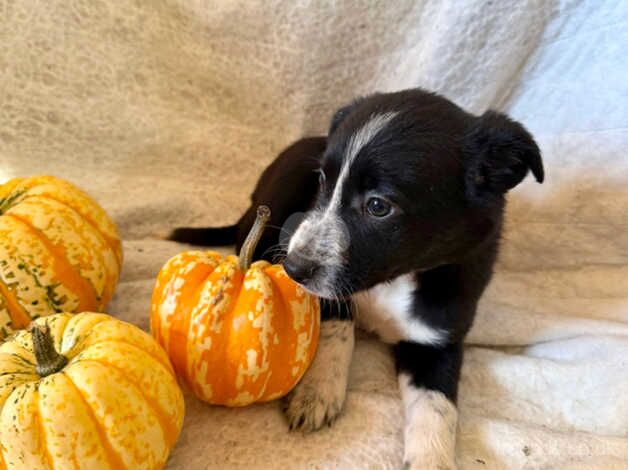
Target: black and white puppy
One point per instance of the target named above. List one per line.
(404, 202)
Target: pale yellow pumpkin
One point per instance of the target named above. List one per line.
(89, 392)
(59, 251)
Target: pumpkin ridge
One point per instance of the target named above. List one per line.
(228, 314)
(23, 359)
(114, 246)
(17, 372)
(68, 332)
(95, 247)
(57, 336)
(185, 367)
(267, 328)
(8, 398)
(42, 431)
(76, 282)
(255, 273)
(166, 428)
(19, 317)
(239, 287)
(195, 294)
(49, 299)
(115, 461)
(135, 346)
(282, 318)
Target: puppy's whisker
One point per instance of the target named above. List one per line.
(276, 252)
(276, 227)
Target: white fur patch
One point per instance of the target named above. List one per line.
(386, 310)
(430, 427)
(319, 397)
(323, 236)
(357, 142)
(324, 244)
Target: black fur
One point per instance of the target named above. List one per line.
(438, 369)
(498, 154)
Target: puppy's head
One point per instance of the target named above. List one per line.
(408, 181)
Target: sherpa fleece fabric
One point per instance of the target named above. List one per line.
(167, 111)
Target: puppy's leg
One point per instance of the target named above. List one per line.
(428, 381)
(319, 396)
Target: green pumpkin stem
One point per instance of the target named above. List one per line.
(49, 361)
(252, 239)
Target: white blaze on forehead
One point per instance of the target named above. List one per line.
(357, 142)
(323, 236)
(323, 225)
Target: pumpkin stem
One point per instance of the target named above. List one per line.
(252, 239)
(49, 361)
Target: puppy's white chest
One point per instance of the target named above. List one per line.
(387, 309)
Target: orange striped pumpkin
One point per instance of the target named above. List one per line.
(236, 332)
(59, 251)
(88, 392)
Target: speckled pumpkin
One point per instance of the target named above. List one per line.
(59, 251)
(89, 392)
(236, 332)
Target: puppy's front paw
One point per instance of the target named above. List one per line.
(312, 404)
(319, 396)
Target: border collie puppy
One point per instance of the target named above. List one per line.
(404, 202)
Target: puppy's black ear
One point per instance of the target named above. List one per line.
(342, 113)
(498, 154)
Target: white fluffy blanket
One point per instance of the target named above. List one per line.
(166, 111)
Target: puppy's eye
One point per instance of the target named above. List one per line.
(378, 207)
(321, 177)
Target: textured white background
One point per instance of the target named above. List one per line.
(166, 111)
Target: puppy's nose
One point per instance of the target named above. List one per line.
(300, 269)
